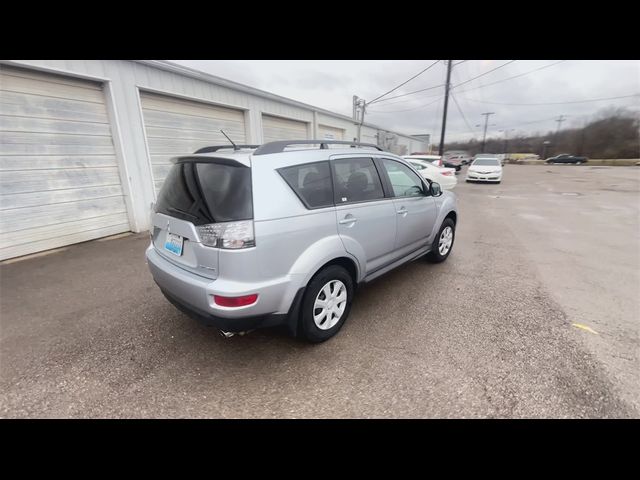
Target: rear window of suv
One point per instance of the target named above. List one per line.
(207, 192)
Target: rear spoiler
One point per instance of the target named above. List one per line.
(206, 159)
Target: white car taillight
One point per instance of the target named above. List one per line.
(228, 234)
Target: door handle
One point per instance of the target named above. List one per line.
(403, 211)
(349, 219)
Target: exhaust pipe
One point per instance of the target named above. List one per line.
(233, 334)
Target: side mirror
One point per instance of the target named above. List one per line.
(435, 189)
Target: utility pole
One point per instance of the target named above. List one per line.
(560, 119)
(446, 104)
(486, 122)
(359, 105)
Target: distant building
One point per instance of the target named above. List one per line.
(423, 137)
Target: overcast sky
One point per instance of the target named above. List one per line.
(331, 84)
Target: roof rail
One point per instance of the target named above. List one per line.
(280, 145)
(215, 148)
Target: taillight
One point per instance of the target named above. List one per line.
(232, 235)
(445, 173)
(235, 301)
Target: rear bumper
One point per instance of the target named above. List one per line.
(193, 294)
(238, 324)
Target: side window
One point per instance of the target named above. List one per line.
(311, 182)
(356, 180)
(405, 183)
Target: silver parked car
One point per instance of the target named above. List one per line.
(274, 236)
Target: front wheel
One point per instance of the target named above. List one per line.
(443, 243)
(326, 304)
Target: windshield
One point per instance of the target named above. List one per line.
(487, 162)
(204, 193)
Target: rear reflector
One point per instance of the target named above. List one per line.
(235, 301)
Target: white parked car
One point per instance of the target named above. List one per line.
(485, 169)
(435, 159)
(444, 176)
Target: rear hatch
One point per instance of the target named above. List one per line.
(202, 200)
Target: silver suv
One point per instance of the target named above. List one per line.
(274, 236)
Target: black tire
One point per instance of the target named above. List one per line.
(308, 330)
(434, 255)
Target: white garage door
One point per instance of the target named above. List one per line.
(59, 179)
(330, 133)
(179, 127)
(276, 128)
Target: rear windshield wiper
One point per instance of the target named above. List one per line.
(182, 212)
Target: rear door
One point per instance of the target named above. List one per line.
(366, 219)
(415, 209)
(197, 193)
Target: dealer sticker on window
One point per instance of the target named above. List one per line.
(173, 243)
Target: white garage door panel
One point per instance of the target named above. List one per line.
(13, 219)
(82, 232)
(331, 133)
(35, 106)
(14, 182)
(44, 125)
(33, 199)
(59, 178)
(42, 149)
(24, 138)
(20, 84)
(276, 128)
(174, 126)
(26, 162)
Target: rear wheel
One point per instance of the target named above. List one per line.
(326, 304)
(443, 243)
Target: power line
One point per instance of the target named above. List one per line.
(485, 73)
(515, 76)
(458, 63)
(411, 93)
(410, 99)
(462, 114)
(404, 83)
(406, 110)
(555, 103)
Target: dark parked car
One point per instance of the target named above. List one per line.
(451, 164)
(566, 158)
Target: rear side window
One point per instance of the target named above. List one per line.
(356, 180)
(204, 193)
(311, 182)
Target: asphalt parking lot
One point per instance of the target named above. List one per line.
(534, 314)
